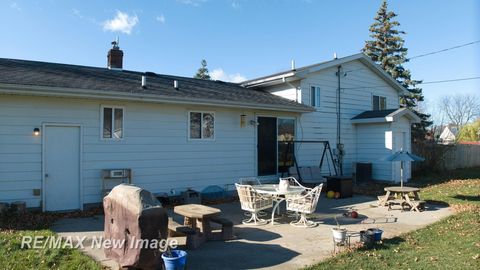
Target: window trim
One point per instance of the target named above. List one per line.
(317, 96)
(201, 130)
(113, 107)
(379, 102)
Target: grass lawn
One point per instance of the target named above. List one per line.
(12, 256)
(452, 243)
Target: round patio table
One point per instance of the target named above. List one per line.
(277, 194)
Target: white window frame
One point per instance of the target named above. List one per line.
(113, 107)
(201, 125)
(317, 95)
(379, 102)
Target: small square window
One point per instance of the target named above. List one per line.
(379, 103)
(315, 96)
(201, 125)
(112, 123)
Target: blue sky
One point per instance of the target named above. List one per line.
(241, 38)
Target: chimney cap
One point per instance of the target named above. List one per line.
(116, 43)
(115, 56)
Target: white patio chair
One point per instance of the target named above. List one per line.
(304, 204)
(253, 181)
(253, 202)
(292, 181)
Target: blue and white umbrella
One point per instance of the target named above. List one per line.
(403, 156)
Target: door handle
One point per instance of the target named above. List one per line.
(46, 175)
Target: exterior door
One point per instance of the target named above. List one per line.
(61, 168)
(267, 146)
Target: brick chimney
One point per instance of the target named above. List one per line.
(115, 56)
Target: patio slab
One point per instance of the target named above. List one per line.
(278, 246)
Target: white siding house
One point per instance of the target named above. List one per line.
(361, 82)
(61, 125)
(155, 146)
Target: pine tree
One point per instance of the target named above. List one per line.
(202, 72)
(387, 49)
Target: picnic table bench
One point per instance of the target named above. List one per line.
(196, 225)
(401, 196)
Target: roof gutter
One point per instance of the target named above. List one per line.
(269, 79)
(48, 91)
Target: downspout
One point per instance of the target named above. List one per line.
(296, 90)
(340, 150)
(299, 118)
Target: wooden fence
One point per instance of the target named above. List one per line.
(462, 156)
(447, 157)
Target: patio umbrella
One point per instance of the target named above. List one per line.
(403, 156)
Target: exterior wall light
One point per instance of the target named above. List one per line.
(36, 131)
(242, 120)
(254, 123)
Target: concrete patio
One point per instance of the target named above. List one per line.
(278, 246)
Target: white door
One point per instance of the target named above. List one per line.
(62, 168)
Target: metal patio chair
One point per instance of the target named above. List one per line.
(253, 202)
(304, 204)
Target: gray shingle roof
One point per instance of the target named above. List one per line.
(374, 114)
(46, 74)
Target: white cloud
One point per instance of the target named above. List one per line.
(123, 22)
(194, 3)
(161, 18)
(15, 6)
(221, 75)
(79, 15)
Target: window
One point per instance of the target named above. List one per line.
(379, 103)
(315, 96)
(112, 123)
(202, 125)
(285, 132)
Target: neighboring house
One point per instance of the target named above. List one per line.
(60, 125)
(449, 134)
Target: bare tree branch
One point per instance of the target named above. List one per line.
(460, 109)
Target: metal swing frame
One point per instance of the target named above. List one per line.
(327, 151)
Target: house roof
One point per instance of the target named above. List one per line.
(301, 72)
(52, 79)
(374, 114)
(383, 116)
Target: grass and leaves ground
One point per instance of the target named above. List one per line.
(452, 243)
(12, 256)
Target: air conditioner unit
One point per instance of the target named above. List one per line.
(117, 173)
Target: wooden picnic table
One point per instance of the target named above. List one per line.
(401, 195)
(198, 217)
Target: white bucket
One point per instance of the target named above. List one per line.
(339, 235)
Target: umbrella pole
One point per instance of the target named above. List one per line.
(401, 174)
